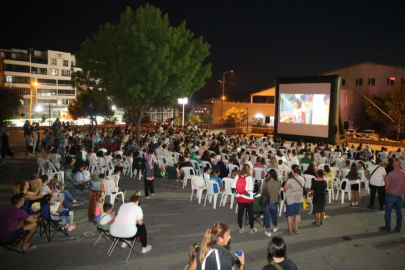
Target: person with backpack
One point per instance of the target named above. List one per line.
(277, 256)
(294, 194)
(269, 201)
(244, 196)
(212, 254)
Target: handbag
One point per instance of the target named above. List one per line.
(265, 196)
(304, 191)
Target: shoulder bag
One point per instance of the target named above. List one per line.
(265, 196)
(304, 191)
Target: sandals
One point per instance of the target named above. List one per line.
(288, 232)
(31, 246)
(295, 232)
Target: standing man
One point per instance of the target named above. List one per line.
(394, 197)
(377, 178)
(5, 145)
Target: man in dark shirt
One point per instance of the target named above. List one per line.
(14, 221)
(318, 189)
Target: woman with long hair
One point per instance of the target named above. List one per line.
(353, 177)
(244, 196)
(272, 186)
(96, 206)
(277, 256)
(293, 189)
(212, 254)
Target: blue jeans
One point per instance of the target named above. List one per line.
(270, 210)
(392, 201)
(68, 198)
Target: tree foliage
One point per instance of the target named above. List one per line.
(144, 62)
(10, 104)
(90, 103)
(392, 103)
(208, 118)
(234, 115)
(194, 119)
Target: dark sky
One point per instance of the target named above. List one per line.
(259, 40)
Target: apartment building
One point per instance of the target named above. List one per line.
(43, 78)
(369, 79)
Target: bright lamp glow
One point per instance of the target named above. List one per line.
(39, 108)
(113, 107)
(182, 100)
(35, 84)
(259, 115)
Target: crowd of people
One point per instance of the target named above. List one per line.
(98, 159)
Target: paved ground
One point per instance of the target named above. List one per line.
(348, 240)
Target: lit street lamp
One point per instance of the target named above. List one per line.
(182, 101)
(34, 84)
(223, 94)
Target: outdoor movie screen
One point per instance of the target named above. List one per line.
(304, 109)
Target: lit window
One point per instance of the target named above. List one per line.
(53, 61)
(9, 79)
(53, 71)
(390, 80)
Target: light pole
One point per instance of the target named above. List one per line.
(223, 94)
(182, 101)
(34, 84)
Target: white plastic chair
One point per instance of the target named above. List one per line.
(304, 167)
(231, 167)
(205, 164)
(345, 187)
(225, 158)
(308, 180)
(344, 173)
(331, 193)
(321, 166)
(227, 183)
(163, 161)
(51, 171)
(109, 168)
(110, 191)
(197, 166)
(41, 169)
(196, 182)
(257, 175)
(210, 192)
(363, 179)
(93, 164)
(282, 206)
(102, 164)
(187, 173)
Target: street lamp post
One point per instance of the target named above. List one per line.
(223, 94)
(182, 101)
(34, 84)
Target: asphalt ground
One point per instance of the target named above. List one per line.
(349, 239)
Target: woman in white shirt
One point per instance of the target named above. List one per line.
(129, 223)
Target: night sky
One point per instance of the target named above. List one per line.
(259, 40)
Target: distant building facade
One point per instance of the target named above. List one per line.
(370, 79)
(43, 78)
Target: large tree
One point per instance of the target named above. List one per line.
(392, 103)
(10, 104)
(91, 102)
(144, 62)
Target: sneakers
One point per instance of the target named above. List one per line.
(252, 231)
(72, 227)
(321, 222)
(147, 197)
(124, 245)
(242, 230)
(370, 206)
(153, 194)
(316, 224)
(268, 233)
(275, 229)
(146, 249)
(351, 205)
(77, 203)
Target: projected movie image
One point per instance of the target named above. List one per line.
(307, 109)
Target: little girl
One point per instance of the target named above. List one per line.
(192, 251)
(57, 212)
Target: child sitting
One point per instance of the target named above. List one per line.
(107, 218)
(216, 178)
(57, 212)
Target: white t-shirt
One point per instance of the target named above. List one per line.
(377, 179)
(125, 222)
(45, 190)
(105, 218)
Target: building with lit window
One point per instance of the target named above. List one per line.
(369, 79)
(43, 78)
